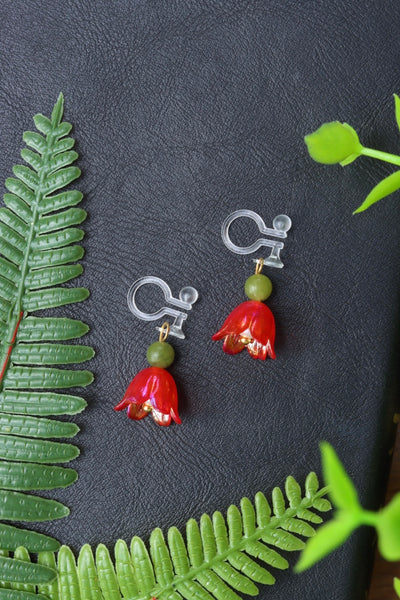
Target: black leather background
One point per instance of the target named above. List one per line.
(184, 112)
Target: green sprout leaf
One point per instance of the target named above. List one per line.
(341, 489)
(334, 143)
(384, 188)
(388, 527)
(396, 585)
(348, 517)
(328, 538)
(397, 109)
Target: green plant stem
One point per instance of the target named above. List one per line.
(386, 156)
(368, 517)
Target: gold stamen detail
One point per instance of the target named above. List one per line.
(164, 332)
(245, 340)
(259, 265)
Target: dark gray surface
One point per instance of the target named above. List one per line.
(184, 112)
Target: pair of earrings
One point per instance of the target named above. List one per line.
(250, 325)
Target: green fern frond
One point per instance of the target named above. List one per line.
(221, 558)
(38, 253)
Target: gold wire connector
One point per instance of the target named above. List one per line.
(259, 265)
(164, 332)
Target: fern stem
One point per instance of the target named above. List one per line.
(10, 347)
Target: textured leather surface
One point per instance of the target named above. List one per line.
(184, 112)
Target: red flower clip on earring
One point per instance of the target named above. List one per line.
(251, 325)
(153, 390)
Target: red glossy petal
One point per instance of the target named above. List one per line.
(175, 416)
(236, 322)
(137, 390)
(121, 405)
(232, 344)
(136, 411)
(262, 325)
(163, 395)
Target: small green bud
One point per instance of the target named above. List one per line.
(160, 354)
(258, 287)
(334, 143)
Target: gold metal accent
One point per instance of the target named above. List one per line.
(164, 332)
(245, 340)
(259, 265)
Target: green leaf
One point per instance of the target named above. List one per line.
(43, 124)
(16, 506)
(388, 528)
(41, 278)
(88, 580)
(49, 258)
(53, 297)
(396, 585)
(60, 201)
(20, 570)
(23, 425)
(328, 538)
(22, 554)
(33, 450)
(32, 377)
(40, 403)
(341, 489)
(16, 595)
(57, 239)
(10, 218)
(384, 188)
(397, 109)
(55, 221)
(106, 574)
(51, 354)
(11, 537)
(35, 329)
(35, 141)
(67, 575)
(19, 207)
(49, 589)
(334, 143)
(32, 476)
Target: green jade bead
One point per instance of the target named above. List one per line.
(258, 287)
(160, 354)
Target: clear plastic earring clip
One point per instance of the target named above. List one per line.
(280, 226)
(187, 297)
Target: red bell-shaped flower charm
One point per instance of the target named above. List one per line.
(251, 325)
(153, 390)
